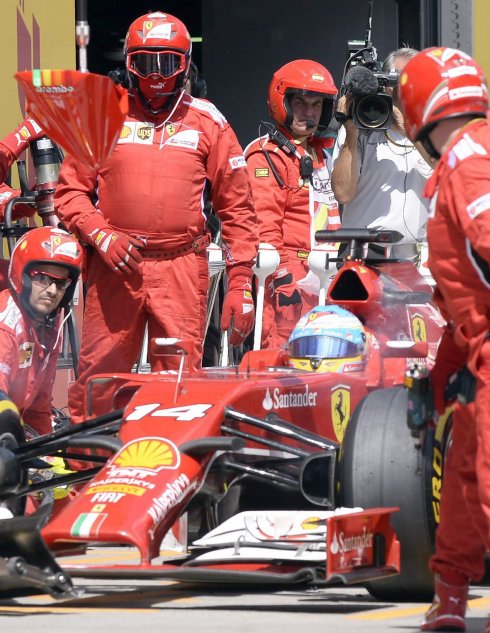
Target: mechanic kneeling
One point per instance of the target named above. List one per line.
(43, 272)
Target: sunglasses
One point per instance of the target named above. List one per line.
(45, 280)
(166, 64)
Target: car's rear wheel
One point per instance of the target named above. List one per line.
(381, 466)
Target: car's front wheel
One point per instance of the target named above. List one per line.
(381, 466)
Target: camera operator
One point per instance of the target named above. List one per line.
(378, 174)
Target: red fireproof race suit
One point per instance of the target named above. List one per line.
(11, 148)
(27, 363)
(290, 210)
(152, 187)
(459, 256)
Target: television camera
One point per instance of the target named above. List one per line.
(365, 80)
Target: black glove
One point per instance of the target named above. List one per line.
(462, 386)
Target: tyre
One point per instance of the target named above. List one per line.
(380, 466)
(11, 435)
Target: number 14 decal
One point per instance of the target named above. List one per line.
(185, 413)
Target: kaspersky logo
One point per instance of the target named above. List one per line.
(289, 399)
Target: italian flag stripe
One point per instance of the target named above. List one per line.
(87, 523)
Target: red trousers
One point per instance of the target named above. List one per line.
(463, 535)
(275, 328)
(169, 295)
(459, 544)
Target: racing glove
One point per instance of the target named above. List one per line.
(118, 250)
(22, 210)
(449, 359)
(238, 306)
(11, 425)
(15, 143)
(287, 296)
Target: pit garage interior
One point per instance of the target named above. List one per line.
(239, 44)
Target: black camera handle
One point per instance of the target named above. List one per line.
(370, 23)
(368, 47)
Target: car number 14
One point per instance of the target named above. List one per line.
(184, 414)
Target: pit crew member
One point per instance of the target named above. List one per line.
(444, 95)
(141, 214)
(289, 168)
(43, 271)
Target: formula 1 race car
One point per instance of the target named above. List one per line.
(262, 472)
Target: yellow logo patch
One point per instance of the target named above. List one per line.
(419, 331)
(144, 133)
(148, 453)
(340, 411)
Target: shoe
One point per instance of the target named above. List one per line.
(447, 611)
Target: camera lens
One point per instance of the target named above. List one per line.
(373, 111)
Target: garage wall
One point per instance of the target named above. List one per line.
(31, 38)
(245, 42)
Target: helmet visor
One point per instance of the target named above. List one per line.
(324, 347)
(163, 63)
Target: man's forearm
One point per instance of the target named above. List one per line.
(345, 173)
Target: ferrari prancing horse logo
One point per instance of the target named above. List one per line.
(418, 329)
(340, 403)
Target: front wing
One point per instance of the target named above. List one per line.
(328, 548)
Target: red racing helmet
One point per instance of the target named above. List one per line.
(157, 52)
(304, 77)
(44, 245)
(440, 83)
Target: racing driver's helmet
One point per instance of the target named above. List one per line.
(304, 77)
(440, 83)
(328, 339)
(43, 245)
(157, 52)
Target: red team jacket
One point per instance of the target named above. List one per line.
(27, 364)
(459, 235)
(152, 185)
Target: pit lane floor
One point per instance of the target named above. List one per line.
(113, 606)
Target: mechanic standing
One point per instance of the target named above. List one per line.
(290, 168)
(445, 98)
(141, 214)
(44, 268)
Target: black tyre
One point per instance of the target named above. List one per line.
(380, 466)
(11, 435)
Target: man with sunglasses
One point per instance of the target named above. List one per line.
(43, 271)
(142, 214)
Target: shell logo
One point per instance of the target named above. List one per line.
(24, 132)
(125, 131)
(311, 523)
(152, 453)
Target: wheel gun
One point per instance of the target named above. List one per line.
(420, 407)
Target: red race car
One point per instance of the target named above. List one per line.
(268, 471)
